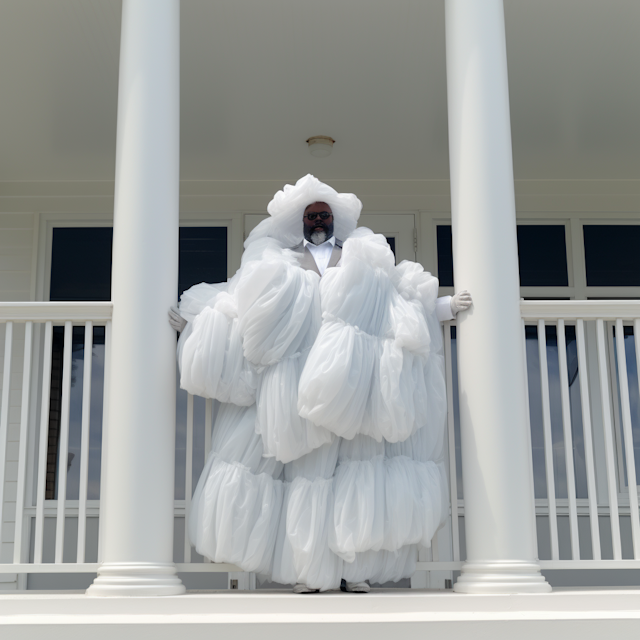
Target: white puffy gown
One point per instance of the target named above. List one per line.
(327, 448)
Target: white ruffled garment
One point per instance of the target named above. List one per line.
(327, 448)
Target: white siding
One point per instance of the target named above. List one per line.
(16, 247)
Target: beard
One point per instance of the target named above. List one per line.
(318, 234)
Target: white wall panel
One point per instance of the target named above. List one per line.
(16, 262)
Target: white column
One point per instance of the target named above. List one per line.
(496, 460)
(137, 502)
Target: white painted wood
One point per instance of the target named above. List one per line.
(608, 442)
(568, 440)
(590, 564)
(628, 438)
(495, 443)
(4, 415)
(435, 551)
(22, 447)
(105, 428)
(282, 615)
(208, 427)
(188, 479)
(615, 405)
(453, 479)
(42, 448)
(548, 440)
(588, 442)
(138, 504)
(580, 309)
(595, 403)
(63, 447)
(57, 312)
(528, 410)
(208, 419)
(84, 441)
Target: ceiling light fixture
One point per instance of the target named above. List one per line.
(320, 146)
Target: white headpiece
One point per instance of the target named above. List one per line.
(287, 208)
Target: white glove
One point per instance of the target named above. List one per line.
(178, 323)
(461, 302)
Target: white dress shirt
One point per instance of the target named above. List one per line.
(321, 252)
(443, 309)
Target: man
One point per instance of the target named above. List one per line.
(327, 451)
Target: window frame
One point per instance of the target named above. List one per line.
(234, 222)
(578, 289)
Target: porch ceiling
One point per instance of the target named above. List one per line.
(259, 78)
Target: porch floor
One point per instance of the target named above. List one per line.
(590, 612)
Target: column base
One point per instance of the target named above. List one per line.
(501, 576)
(136, 579)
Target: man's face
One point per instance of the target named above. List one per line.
(317, 229)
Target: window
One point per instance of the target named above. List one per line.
(81, 270)
(542, 254)
(612, 255)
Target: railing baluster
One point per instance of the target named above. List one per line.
(84, 440)
(528, 414)
(568, 441)
(548, 440)
(4, 412)
(628, 438)
(42, 448)
(588, 442)
(435, 552)
(22, 447)
(64, 441)
(453, 479)
(208, 427)
(105, 427)
(188, 482)
(608, 443)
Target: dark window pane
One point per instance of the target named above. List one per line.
(541, 249)
(612, 255)
(542, 254)
(392, 244)
(81, 264)
(203, 256)
(445, 255)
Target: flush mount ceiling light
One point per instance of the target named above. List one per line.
(320, 146)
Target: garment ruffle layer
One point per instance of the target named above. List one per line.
(278, 308)
(355, 383)
(285, 435)
(234, 439)
(369, 370)
(235, 515)
(382, 566)
(385, 504)
(228, 377)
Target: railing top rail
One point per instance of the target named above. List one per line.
(530, 310)
(580, 309)
(55, 311)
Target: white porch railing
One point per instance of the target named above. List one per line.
(586, 430)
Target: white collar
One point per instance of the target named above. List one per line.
(331, 240)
